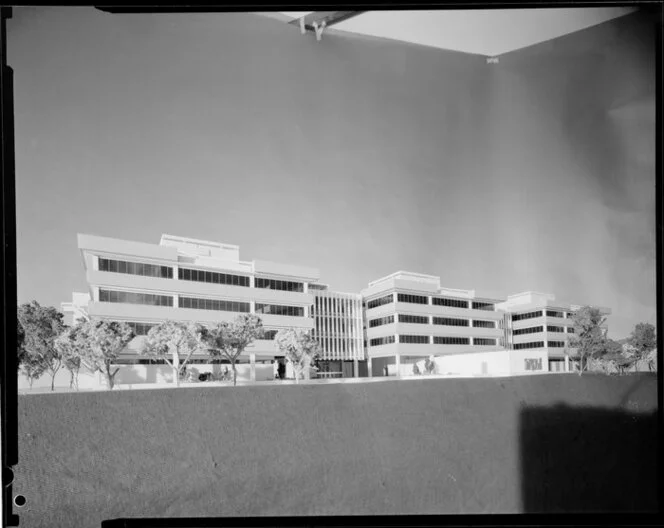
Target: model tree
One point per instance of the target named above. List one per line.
(41, 325)
(100, 344)
(643, 340)
(298, 347)
(589, 336)
(175, 343)
(69, 344)
(230, 340)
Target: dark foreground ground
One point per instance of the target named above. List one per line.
(458, 446)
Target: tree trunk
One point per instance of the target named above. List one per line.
(110, 376)
(234, 373)
(53, 381)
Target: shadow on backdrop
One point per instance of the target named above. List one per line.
(588, 459)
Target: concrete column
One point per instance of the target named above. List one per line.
(398, 364)
(306, 287)
(370, 371)
(356, 368)
(252, 306)
(252, 363)
(252, 283)
(176, 275)
(566, 363)
(176, 302)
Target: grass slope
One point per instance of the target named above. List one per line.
(420, 447)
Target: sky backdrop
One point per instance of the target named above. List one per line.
(354, 155)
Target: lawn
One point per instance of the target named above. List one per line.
(427, 447)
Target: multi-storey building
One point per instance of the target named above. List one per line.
(395, 322)
(410, 316)
(185, 279)
(537, 321)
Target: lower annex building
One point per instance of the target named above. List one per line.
(389, 327)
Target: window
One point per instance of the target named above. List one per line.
(484, 342)
(414, 339)
(454, 303)
(382, 341)
(551, 313)
(528, 315)
(478, 323)
(269, 335)
(381, 321)
(556, 344)
(271, 284)
(450, 321)
(276, 309)
(451, 340)
(125, 297)
(570, 329)
(550, 328)
(416, 319)
(534, 344)
(212, 277)
(530, 330)
(213, 304)
(413, 299)
(380, 302)
(140, 329)
(489, 307)
(135, 268)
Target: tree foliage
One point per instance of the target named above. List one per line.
(41, 325)
(230, 340)
(298, 347)
(589, 337)
(100, 343)
(175, 343)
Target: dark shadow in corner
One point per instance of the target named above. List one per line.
(588, 460)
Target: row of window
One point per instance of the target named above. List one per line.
(413, 299)
(556, 344)
(375, 303)
(454, 303)
(382, 341)
(381, 321)
(272, 284)
(414, 319)
(113, 296)
(450, 321)
(423, 319)
(551, 328)
(213, 304)
(528, 315)
(477, 305)
(478, 323)
(135, 268)
(552, 313)
(414, 339)
(166, 272)
(533, 344)
(439, 340)
(484, 341)
(275, 309)
(212, 277)
(529, 330)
